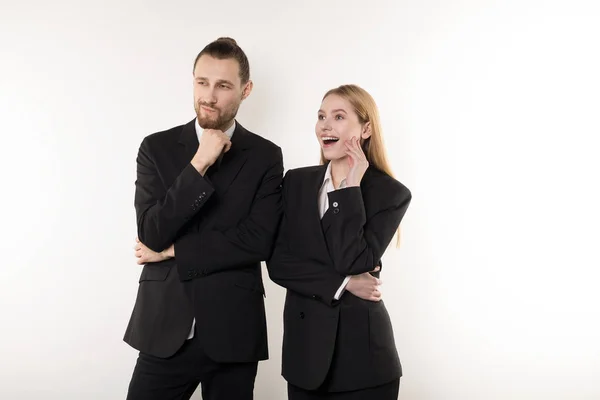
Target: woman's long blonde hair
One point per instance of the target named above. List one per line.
(366, 109)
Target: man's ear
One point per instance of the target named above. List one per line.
(247, 90)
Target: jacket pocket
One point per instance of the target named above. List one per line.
(250, 286)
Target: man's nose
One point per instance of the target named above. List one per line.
(208, 96)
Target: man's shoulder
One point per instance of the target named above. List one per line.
(167, 135)
(263, 149)
(260, 141)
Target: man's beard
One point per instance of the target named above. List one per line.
(223, 119)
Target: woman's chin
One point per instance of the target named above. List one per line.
(333, 156)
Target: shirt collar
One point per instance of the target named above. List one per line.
(329, 179)
(228, 132)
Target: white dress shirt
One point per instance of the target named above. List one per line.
(229, 133)
(327, 187)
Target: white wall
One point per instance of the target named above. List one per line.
(490, 111)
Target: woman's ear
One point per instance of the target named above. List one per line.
(366, 131)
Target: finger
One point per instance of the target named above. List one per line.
(354, 148)
(377, 268)
(349, 144)
(227, 146)
(137, 239)
(350, 157)
(375, 297)
(352, 162)
(358, 149)
(350, 151)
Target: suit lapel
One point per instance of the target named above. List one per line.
(188, 141)
(315, 229)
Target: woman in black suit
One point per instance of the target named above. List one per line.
(339, 218)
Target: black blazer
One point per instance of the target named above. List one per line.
(350, 342)
(223, 225)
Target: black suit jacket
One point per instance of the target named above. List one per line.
(222, 225)
(350, 342)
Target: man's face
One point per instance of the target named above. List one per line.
(218, 92)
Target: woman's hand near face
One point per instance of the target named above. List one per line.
(357, 161)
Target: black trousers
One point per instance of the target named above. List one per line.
(389, 391)
(177, 377)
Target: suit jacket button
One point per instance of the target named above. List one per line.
(335, 203)
(301, 315)
(336, 210)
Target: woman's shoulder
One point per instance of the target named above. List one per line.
(380, 183)
(302, 172)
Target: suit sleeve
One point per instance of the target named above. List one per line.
(250, 241)
(162, 213)
(300, 275)
(356, 244)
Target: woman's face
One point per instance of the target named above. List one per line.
(337, 122)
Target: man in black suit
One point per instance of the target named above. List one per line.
(208, 204)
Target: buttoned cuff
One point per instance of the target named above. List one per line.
(342, 288)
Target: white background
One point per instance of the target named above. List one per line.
(491, 117)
